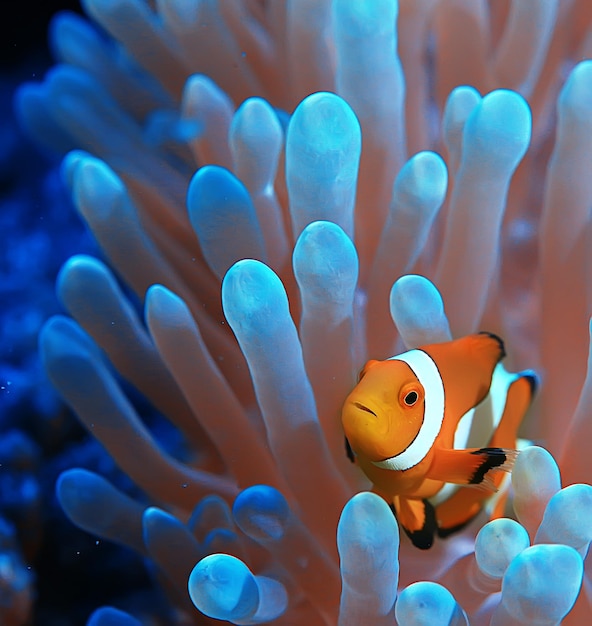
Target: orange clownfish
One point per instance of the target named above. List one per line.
(415, 424)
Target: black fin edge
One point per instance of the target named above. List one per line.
(532, 379)
(499, 340)
(424, 538)
(495, 457)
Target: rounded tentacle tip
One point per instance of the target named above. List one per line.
(542, 583)
(110, 616)
(428, 604)
(498, 131)
(366, 520)
(576, 95)
(249, 288)
(76, 270)
(223, 217)
(67, 485)
(76, 491)
(164, 307)
(97, 190)
(325, 259)
(366, 505)
(262, 513)
(567, 518)
(210, 186)
(459, 104)
(255, 123)
(153, 517)
(69, 165)
(324, 122)
(423, 179)
(498, 543)
(417, 309)
(222, 586)
(66, 351)
(531, 464)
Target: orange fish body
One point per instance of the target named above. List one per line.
(412, 421)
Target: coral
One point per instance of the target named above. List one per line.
(265, 178)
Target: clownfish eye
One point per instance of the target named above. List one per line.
(410, 398)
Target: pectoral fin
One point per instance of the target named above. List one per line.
(418, 520)
(474, 466)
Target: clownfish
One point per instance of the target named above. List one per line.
(415, 424)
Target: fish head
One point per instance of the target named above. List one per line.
(384, 412)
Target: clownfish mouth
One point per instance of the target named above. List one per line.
(362, 407)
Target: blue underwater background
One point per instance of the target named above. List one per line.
(250, 428)
(69, 572)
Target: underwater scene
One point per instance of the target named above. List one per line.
(295, 323)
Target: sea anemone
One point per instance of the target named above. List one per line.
(277, 182)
